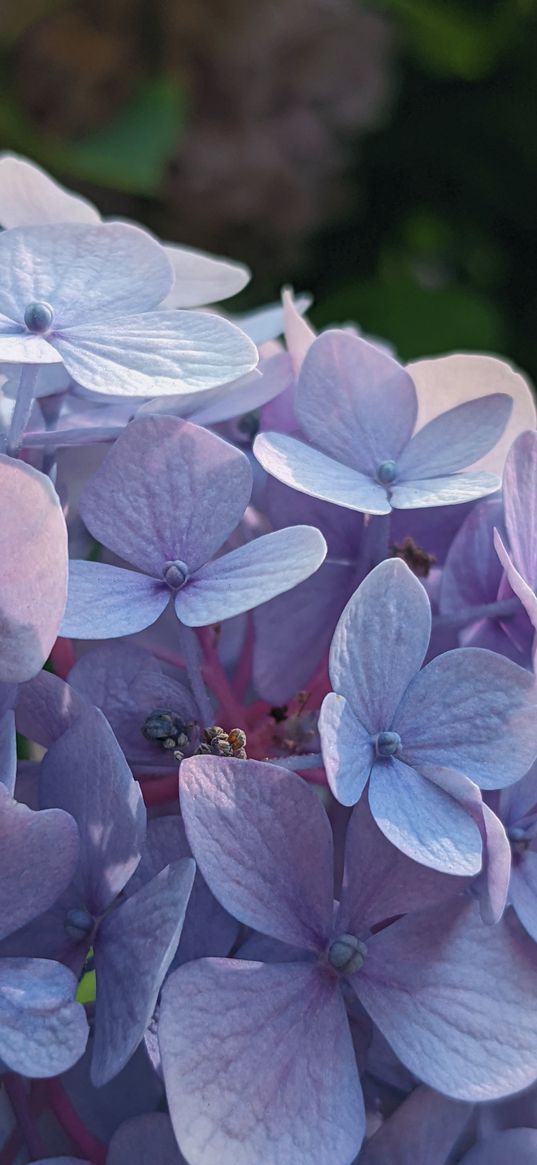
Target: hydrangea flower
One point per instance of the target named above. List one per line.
(42, 1030)
(403, 731)
(363, 452)
(168, 524)
(257, 1057)
(86, 296)
(519, 492)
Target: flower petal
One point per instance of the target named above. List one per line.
(263, 843)
(33, 586)
(306, 469)
(422, 820)
(43, 1032)
(380, 643)
(86, 272)
(354, 401)
(347, 748)
(251, 575)
(156, 353)
(133, 951)
(474, 711)
(28, 196)
(145, 1138)
(422, 1131)
(38, 857)
(105, 601)
(192, 494)
(455, 1000)
(456, 438)
(443, 491)
(520, 505)
(201, 279)
(259, 1065)
(518, 584)
(86, 773)
(523, 890)
(518, 1145)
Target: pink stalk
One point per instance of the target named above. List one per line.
(91, 1147)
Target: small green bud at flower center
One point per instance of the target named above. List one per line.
(346, 954)
(38, 317)
(387, 472)
(387, 743)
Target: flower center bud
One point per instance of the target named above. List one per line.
(387, 743)
(78, 923)
(387, 472)
(38, 317)
(346, 954)
(175, 574)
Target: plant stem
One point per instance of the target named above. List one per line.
(20, 1103)
(91, 1147)
(190, 651)
(23, 408)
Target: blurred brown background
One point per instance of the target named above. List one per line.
(381, 155)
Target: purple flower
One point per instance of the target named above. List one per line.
(417, 736)
(257, 1057)
(168, 523)
(358, 408)
(33, 586)
(519, 493)
(85, 296)
(42, 1030)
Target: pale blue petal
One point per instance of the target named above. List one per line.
(348, 752)
(312, 472)
(443, 491)
(43, 1032)
(380, 643)
(250, 575)
(422, 820)
(201, 279)
(518, 584)
(28, 195)
(456, 438)
(105, 602)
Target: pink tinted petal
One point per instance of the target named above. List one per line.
(380, 882)
(38, 857)
(520, 504)
(474, 711)
(86, 773)
(86, 272)
(448, 381)
(263, 843)
(304, 468)
(380, 643)
(145, 1140)
(348, 752)
(105, 601)
(422, 1131)
(455, 439)
(251, 575)
(443, 491)
(259, 1065)
(513, 1145)
(43, 1032)
(192, 494)
(156, 353)
(423, 820)
(455, 998)
(346, 390)
(28, 195)
(518, 584)
(33, 586)
(523, 890)
(201, 278)
(133, 951)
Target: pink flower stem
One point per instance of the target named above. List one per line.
(63, 657)
(231, 708)
(91, 1147)
(20, 1102)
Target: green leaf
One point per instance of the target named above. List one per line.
(132, 153)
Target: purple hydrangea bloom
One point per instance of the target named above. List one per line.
(168, 524)
(258, 1059)
(404, 730)
(85, 296)
(364, 454)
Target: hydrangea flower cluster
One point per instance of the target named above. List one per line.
(268, 722)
